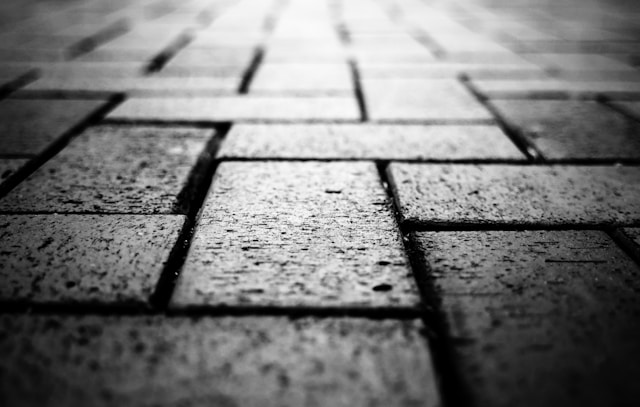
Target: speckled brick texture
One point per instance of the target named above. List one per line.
(516, 195)
(113, 259)
(538, 318)
(298, 234)
(366, 141)
(115, 169)
(251, 361)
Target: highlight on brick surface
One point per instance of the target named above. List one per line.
(322, 203)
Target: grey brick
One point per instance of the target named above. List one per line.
(539, 318)
(296, 234)
(422, 100)
(516, 195)
(362, 141)
(573, 129)
(84, 258)
(9, 166)
(303, 78)
(444, 70)
(28, 127)
(238, 108)
(114, 169)
(578, 62)
(249, 361)
(555, 87)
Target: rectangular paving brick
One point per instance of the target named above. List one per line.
(239, 108)
(516, 195)
(302, 78)
(555, 87)
(578, 62)
(296, 234)
(28, 127)
(364, 141)
(84, 258)
(443, 70)
(247, 361)
(567, 129)
(115, 169)
(538, 318)
(421, 100)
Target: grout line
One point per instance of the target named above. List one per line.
(358, 90)
(191, 200)
(164, 56)
(450, 385)
(57, 145)
(625, 243)
(88, 44)
(521, 142)
(14, 85)
(253, 67)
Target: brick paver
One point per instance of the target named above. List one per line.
(538, 317)
(84, 258)
(319, 203)
(115, 170)
(516, 195)
(252, 361)
(296, 234)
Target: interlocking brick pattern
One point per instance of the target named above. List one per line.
(319, 203)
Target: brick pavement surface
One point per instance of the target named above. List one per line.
(322, 203)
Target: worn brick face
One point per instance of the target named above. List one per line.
(296, 234)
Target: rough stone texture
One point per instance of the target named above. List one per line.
(573, 129)
(296, 234)
(539, 318)
(302, 78)
(516, 195)
(9, 166)
(241, 108)
(421, 99)
(84, 258)
(267, 362)
(28, 127)
(386, 142)
(117, 169)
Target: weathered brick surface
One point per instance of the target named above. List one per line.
(556, 87)
(28, 127)
(270, 361)
(114, 169)
(573, 129)
(315, 79)
(388, 142)
(84, 258)
(422, 100)
(238, 108)
(516, 195)
(538, 318)
(296, 234)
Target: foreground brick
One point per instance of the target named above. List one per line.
(116, 361)
(115, 169)
(242, 108)
(355, 141)
(296, 234)
(539, 318)
(84, 258)
(29, 126)
(573, 129)
(516, 195)
(421, 100)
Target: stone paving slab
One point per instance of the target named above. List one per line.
(238, 108)
(366, 141)
(249, 361)
(555, 87)
(296, 234)
(578, 62)
(115, 169)
(538, 318)
(316, 79)
(566, 129)
(516, 195)
(84, 258)
(28, 127)
(422, 100)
